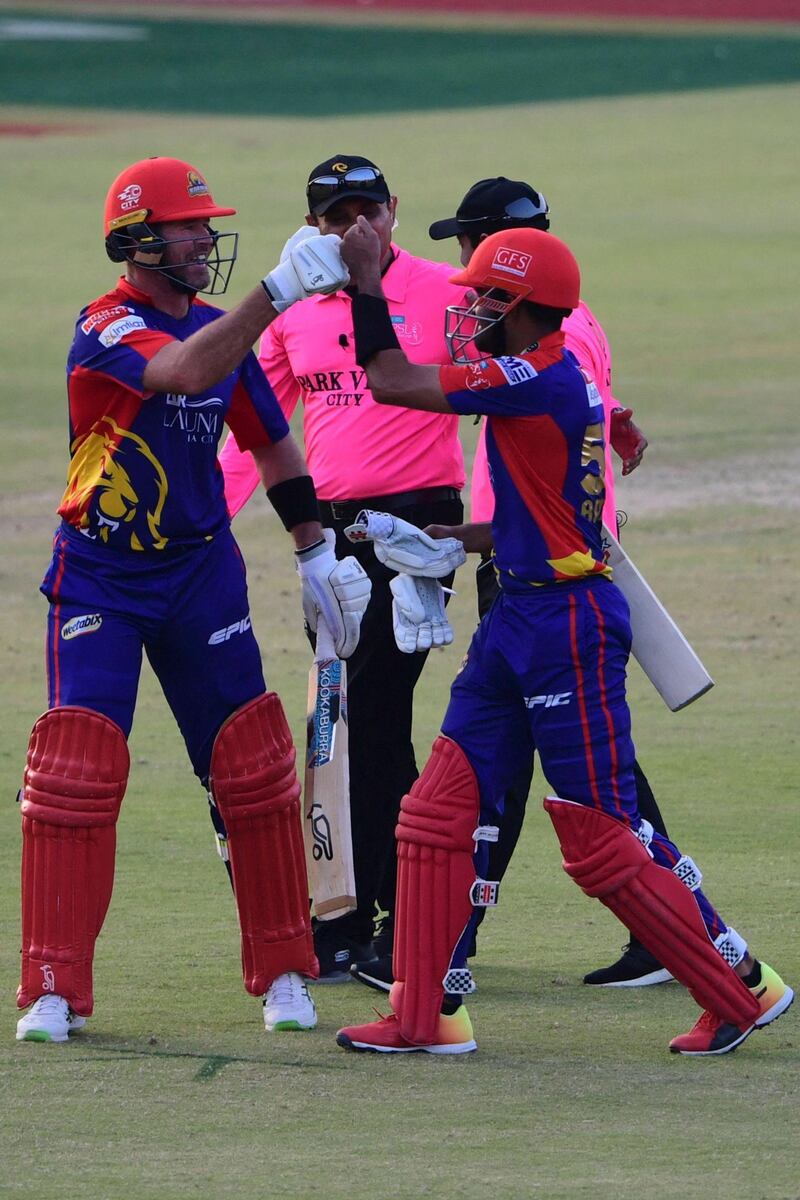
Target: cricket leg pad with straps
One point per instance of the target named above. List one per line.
(435, 886)
(257, 792)
(75, 778)
(608, 861)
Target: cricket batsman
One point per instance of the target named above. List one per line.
(545, 669)
(144, 560)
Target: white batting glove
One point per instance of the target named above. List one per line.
(418, 614)
(313, 266)
(401, 546)
(303, 234)
(338, 590)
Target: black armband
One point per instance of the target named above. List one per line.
(372, 327)
(295, 501)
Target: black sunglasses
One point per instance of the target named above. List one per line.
(322, 186)
(517, 210)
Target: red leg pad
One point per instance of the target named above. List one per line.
(608, 861)
(435, 871)
(257, 792)
(75, 778)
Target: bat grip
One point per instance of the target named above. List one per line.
(325, 648)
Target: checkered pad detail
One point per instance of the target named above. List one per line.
(729, 951)
(688, 872)
(459, 982)
(645, 834)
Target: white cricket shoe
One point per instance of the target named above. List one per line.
(287, 1004)
(50, 1019)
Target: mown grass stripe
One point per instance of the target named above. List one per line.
(299, 70)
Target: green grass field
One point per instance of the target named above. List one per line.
(682, 211)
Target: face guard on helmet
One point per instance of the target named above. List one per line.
(507, 268)
(158, 191)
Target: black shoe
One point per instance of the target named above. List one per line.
(336, 955)
(375, 973)
(636, 968)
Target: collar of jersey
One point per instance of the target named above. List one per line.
(134, 293)
(127, 288)
(549, 350)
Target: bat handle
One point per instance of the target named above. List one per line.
(325, 647)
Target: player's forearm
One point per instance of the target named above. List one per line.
(394, 380)
(476, 537)
(189, 367)
(391, 377)
(284, 474)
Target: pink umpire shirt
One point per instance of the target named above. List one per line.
(586, 340)
(355, 447)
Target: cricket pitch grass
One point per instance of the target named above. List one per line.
(682, 211)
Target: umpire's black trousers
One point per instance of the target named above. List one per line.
(380, 681)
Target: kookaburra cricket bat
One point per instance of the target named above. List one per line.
(658, 645)
(326, 805)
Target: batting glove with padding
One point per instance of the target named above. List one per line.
(401, 546)
(309, 266)
(418, 614)
(336, 589)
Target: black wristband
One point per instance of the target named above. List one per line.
(295, 501)
(372, 327)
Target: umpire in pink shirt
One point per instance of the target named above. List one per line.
(365, 455)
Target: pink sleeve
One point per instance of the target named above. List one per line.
(240, 472)
(481, 491)
(276, 366)
(238, 467)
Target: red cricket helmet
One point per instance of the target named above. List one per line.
(533, 265)
(154, 191)
(508, 268)
(159, 189)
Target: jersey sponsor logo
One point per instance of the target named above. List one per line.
(516, 370)
(199, 419)
(345, 389)
(129, 197)
(551, 700)
(117, 330)
(512, 262)
(228, 631)
(105, 314)
(477, 376)
(88, 623)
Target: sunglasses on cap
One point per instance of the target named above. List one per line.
(322, 186)
(522, 209)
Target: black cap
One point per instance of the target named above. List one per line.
(341, 173)
(497, 203)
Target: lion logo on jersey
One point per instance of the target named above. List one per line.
(118, 487)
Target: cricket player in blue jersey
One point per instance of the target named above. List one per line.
(545, 669)
(144, 560)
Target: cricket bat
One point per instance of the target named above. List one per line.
(326, 804)
(658, 645)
